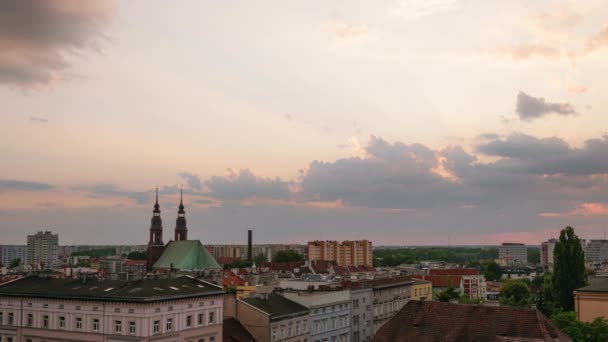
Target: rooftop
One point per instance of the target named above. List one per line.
(233, 331)
(143, 290)
(437, 321)
(596, 284)
(275, 305)
(186, 255)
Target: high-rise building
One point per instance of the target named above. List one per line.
(346, 253)
(515, 252)
(9, 253)
(546, 253)
(43, 249)
(597, 251)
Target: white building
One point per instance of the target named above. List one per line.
(8, 253)
(180, 309)
(513, 252)
(43, 250)
(330, 313)
(597, 251)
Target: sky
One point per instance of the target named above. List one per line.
(405, 122)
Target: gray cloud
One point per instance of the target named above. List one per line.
(193, 181)
(529, 107)
(11, 184)
(244, 185)
(36, 119)
(141, 197)
(36, 36)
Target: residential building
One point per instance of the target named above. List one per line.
(9, 253)
(111, 265)
(134, 266)
(346, 253)
(422, 290)
(42, 250)
(271, 317)
(234, 331)
(446, 322)
(591, 301)
(330, 313)
(390, 295)
(361, 301)
(57, 310)
(513, 252)
(597, 251)
(546, 253)
(239, 252)
(468, 281)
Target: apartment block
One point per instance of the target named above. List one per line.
(513, 252)
(345, 253)
(9, 253)
(43, 250)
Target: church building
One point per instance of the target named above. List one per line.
(179, 254)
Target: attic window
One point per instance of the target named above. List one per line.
(198, 285)
(158, 289)
(173, 288)
(108, 289)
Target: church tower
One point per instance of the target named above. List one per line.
(156, 244)
(181, 230)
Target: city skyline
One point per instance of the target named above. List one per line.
(401, 122)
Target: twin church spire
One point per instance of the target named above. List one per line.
(156, 226)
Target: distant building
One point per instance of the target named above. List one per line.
(239, 252)
(597, 251)
(170, 309)
(591, 301)
(9, 253)
(330, 313)
(345, 253)
(467, 281)
(134, 266)
(112, 265)
(514, 252)
(422, 290)
(546, 253)
(446, 322)
(271, 317)
(43, 249)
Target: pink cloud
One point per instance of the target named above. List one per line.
(584, 209)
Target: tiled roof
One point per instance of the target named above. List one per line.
(453, 271)
(134, 262)
(227, 260)
(378, 283)
(233, 331)
(186, 255)
(143, 290)
(442, 280)
(322, 266)
(596, 284)
(276, 305)
(437, 321)
(229, 279)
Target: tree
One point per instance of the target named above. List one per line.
(515, 293)
(15, 263)
(569, 268)
(448, 294)
(137, 255)
(595, 331)
(287, 256)
(260, 259)
(533, 255)
(492, 271)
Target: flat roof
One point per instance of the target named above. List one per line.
(137, 291)
(275, 305)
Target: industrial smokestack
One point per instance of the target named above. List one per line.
(249, 245)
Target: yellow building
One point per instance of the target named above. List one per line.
(243, 291)
(422, 290)
(592, 301)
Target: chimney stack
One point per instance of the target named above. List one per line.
(249, 245)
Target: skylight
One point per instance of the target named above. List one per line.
(108, 289)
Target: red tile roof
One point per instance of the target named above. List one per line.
(453, 271)
(229, 279)
(436, 321)
(134, 262)
(442, 280)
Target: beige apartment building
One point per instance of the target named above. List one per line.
(591, 301)
(345, 253)
(180, 309)
(271, 317)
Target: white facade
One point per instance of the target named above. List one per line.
(515, 252)
(330, 314)
(597, 251)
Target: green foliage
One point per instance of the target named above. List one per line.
(491, 271)
(515, 293)
(287, 256)
(466, 300)
(569, 270)
(238, 264)
(260, 259)
(15, 263)
(448, 294)
(534, 255)
(595, 331)
(460, 255)
(95, 253)
(137, 255)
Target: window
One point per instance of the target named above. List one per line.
(30, 320)
(156, 328)
(169, 324)
(78, 307)
(45, 321)
(132, 328)
(78, 322)
(274, 335)
(211, 317)
(117, 327)
(61, 322)
(297, 328)
(1, 318)
(116, 309)
(11, 318)
(95, 324)
(45, 306)
(201, 318)
(188, 321)
(61, 306)
(212, 339)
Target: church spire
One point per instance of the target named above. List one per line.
(181, 230)
(156, 225)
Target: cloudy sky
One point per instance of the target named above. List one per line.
(403, 122)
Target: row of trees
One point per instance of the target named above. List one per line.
(281, 256)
